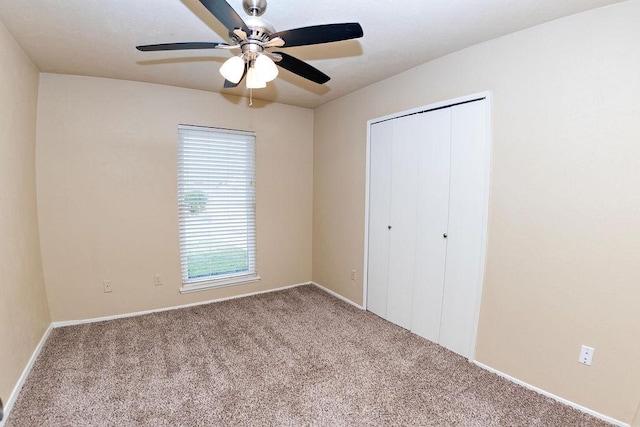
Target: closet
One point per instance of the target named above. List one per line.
(427, 203)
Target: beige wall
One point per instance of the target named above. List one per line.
(564, 235)
(24, 316)
(107, 191)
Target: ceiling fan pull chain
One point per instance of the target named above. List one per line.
(250, 97)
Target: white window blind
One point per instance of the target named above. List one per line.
(216, 198)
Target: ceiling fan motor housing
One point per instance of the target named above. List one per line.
(260, 28)
(251, 45)
(254, 7)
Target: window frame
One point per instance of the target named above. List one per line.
(191, 147)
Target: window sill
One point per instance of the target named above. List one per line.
(213, 284)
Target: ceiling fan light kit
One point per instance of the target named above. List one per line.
(254, 79)
(253, 36)
(266, 68)
(233, 69)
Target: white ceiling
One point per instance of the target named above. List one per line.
(97, 38)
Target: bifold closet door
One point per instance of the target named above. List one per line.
(381, 141)
(427, 205)
(431, 227)
(408, 205)
(466, 229)
(392, 219)
(407, 137)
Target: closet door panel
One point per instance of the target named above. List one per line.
(402, 240)
(432, 217)
(381, 138)
(466, 226)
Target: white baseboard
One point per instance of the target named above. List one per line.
(25, 373)
(552, 396)
(337, 295)
(177, 307)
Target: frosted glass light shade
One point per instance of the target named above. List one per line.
(254, 79)
(266, 68)
(233, 69)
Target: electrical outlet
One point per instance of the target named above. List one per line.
(353, 275)
(107, 286)
(586, 355)
(157, 279)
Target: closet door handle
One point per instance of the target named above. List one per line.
(389, 227)
(445, 235)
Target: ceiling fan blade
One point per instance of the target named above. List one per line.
(180, 46)
(319, 34)
(230, 85)
(301, 68)
(225, 14)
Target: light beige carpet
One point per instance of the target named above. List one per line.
(291, 358)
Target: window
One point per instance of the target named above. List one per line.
(216, 204)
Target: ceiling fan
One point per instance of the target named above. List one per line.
(253, 36)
